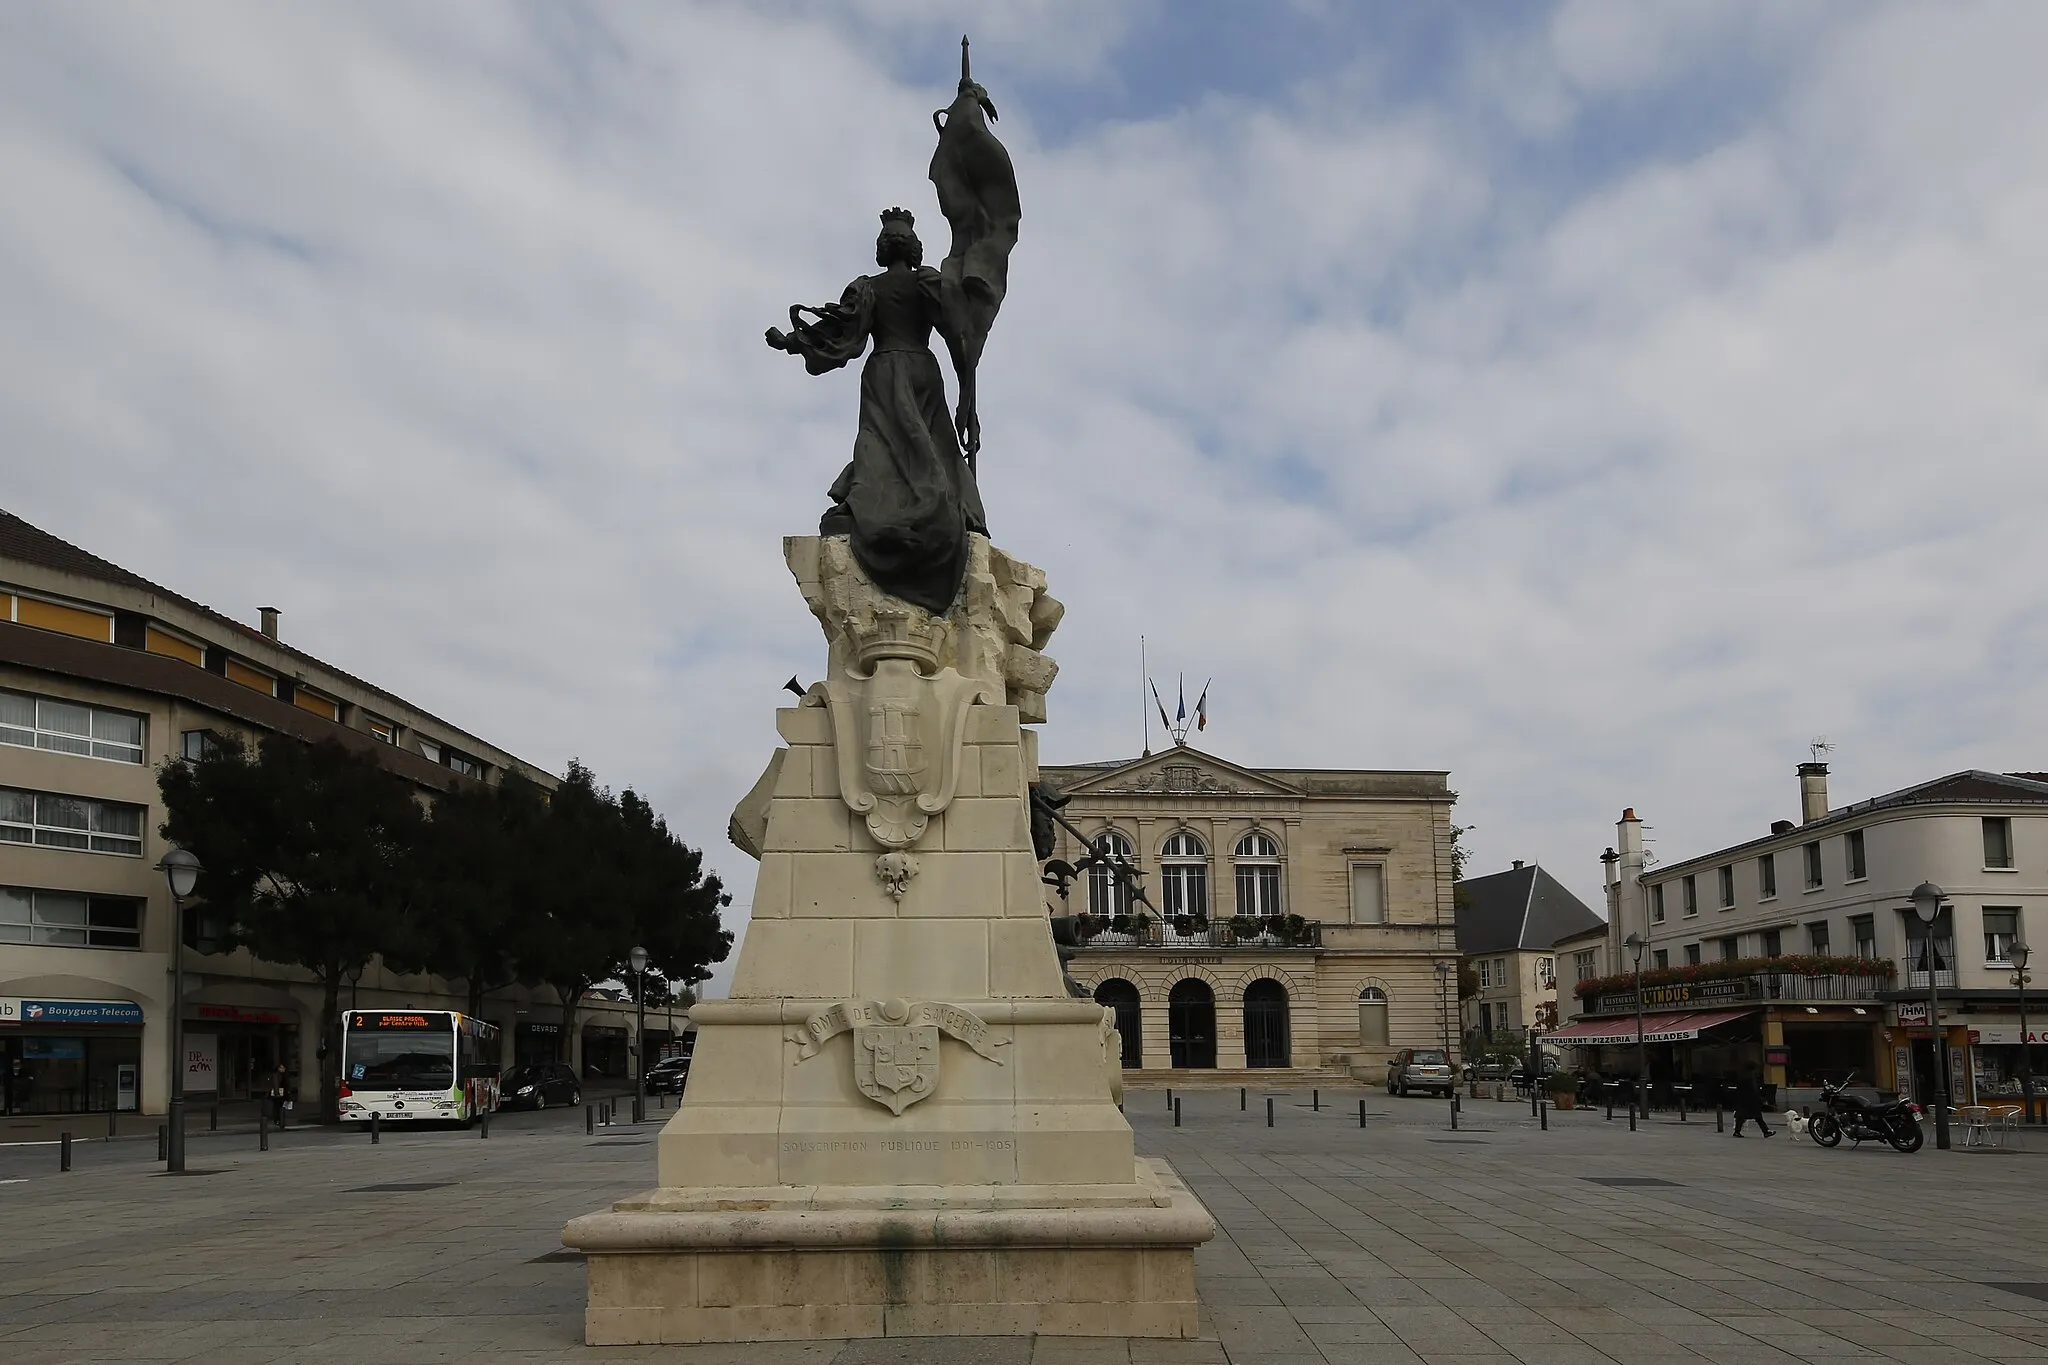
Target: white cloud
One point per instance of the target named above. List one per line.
(1595, 480)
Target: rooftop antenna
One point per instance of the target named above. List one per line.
(1820, 748)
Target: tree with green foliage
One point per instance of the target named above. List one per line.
(470, 864)
(600, 875)
(309, 853)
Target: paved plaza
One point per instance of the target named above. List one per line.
(1400, 1243)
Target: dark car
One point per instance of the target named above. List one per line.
(538, 1086)
(668, 1076)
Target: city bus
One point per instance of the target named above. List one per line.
(414, 1066)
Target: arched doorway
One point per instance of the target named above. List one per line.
(1265, 1023)
(1191, 1023)
(1372, 1017)
(1121, 996)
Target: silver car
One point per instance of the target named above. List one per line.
(1420, 1068)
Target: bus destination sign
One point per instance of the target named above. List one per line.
(380, 1020)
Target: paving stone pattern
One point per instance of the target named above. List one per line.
(1398, 1244)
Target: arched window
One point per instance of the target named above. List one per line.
(1258, 875)
(1191, 1023)
(1372, 1017)
(1106, 896)
(1265, 1023)
(1122, 997)
(1184, 876)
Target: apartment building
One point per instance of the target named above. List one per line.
(1303, 915)
(1510, 925)
(1800, 951)
(104, 678)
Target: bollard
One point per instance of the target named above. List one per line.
(63, 1151)
(1361, 1113)
(110, 1124)
(1315, 1100)
(163, 1143)
(1631, 1118)
(262, 1130)
(1681, 1107)
(213, 1118)
(1169, 1097)
(1240, 1099)
(590, 1118)
(376, 1130)
(1720, 1120)
(1543, 1115)
(1176, 1113)
(1454, 1113)
(1610, 1106)
(484, 1130)
(1269, 1111)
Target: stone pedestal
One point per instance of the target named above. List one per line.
(900, 1123)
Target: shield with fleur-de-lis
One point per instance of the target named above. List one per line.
(896, 1066)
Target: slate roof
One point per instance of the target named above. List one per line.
(1524, 909)
(1972, 786)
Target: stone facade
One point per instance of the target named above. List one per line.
(1363, 857)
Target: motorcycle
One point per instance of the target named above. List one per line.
(1844, 1115)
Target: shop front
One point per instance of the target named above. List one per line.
(1996, 1069)
(70, 1056)
(604, 1051)
(233, 1051)
(1685, 1047)
(1984, 1046)
(535, 1043)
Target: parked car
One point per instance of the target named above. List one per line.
(1496, 1067)
(538, 1086)
(668, 1076)
(1420, 1068)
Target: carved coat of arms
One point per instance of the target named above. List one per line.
(898, 721)
(896, 1066)
(896, 1044)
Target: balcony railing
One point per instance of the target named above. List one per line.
(1309, 934)
(1917, 981)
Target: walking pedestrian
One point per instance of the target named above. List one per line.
(1749, 1103)
(278, 1092)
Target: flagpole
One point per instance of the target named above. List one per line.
(1144, 710)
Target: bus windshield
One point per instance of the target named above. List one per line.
(414, 1060)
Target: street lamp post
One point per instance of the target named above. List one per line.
(2020, 976)
(638, 961)
(1635, 944)
(1443, 976)
(181, 869)
(355, 976)
(1927, 898)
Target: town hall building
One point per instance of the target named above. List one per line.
(1300, 918)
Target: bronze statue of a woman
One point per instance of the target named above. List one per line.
(908, 498)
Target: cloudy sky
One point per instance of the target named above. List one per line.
(1597, 400)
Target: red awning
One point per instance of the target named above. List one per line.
(1657, 1028)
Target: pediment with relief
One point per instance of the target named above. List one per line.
(1182, 772)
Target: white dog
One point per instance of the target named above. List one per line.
(1796, 1121)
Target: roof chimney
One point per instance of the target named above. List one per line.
(1813, 792)
(1518, 864)
(269, 615)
